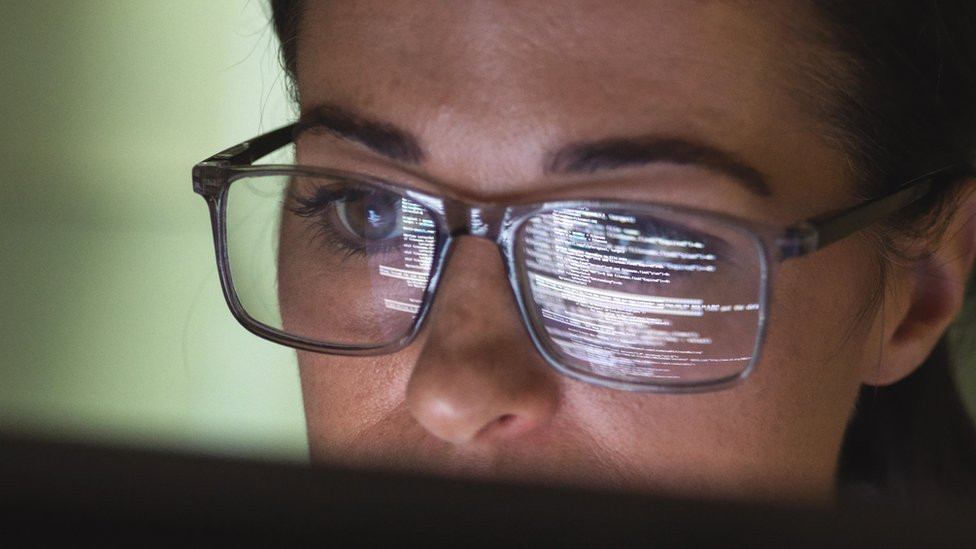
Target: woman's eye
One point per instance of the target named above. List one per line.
(349, 219)
(372, 216)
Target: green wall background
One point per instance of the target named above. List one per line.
(113, 328)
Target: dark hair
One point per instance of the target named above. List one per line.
(286, 15)
(909, 107)
(898, 90)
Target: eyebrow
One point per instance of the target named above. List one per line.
(616, 153)
(381, 137)
(588, 157)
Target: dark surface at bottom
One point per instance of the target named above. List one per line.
(52, 491)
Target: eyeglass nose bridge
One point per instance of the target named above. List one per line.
(481, 220)
(493, 222)
(489, 221)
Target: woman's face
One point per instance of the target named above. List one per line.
(489, 90)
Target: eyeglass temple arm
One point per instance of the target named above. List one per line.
(211, 175)
(250, 151)
(817, 232)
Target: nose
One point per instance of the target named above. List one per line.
(477, 376)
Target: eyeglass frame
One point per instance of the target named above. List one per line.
(213, 176)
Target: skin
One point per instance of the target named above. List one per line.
(490, 89)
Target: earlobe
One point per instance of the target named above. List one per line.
(925, 295)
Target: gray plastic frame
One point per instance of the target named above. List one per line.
(500, 223)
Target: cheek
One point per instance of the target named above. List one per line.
(822, 335)
(822, 309)
(345, 397)
(780, 430)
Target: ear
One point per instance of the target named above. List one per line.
(925, 295)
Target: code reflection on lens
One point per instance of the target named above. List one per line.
(329, 260)
(667, 298)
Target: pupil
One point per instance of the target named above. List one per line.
(374, 216)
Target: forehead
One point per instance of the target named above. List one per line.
(541, 55)
(519, 78)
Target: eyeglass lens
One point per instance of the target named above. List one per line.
(643, 297)
(638, 294)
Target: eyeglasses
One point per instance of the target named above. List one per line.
(628, 295)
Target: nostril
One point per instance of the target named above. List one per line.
(507, 418)
(506, 424)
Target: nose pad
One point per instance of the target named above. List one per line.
(477, 375)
